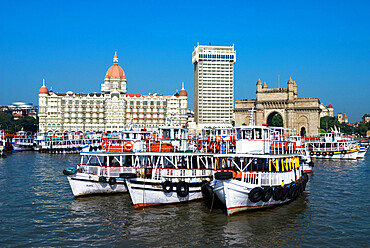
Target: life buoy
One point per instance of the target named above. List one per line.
(128, 146)
(294, 146)
(167, 186)
(267, 194)
(182, 189)
(209, 138)
(272, 146)
(199, 144)
(218, 146)
(255, 195)
(210, 145)
(286, 146)
(104, 145)
(218, 138)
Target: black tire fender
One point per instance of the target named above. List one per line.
(267, 194)
(167, 186)
(127, 175)
(223, 175)
(102, 179)
(277, 193)
(182, 189)
(208, 194)
(255, 195)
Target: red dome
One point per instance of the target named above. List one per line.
(183, 93)
(115, 71)
(43, 90)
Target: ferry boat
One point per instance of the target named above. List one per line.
(101, 173)
(304, 155)
(332, 146)
(169, 177)
(2, 143)
(70, 142)
(362, 151)
(23, 141)
(264, 171)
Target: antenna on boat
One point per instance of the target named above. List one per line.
(251, 119)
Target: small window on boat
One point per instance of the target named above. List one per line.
(258, 133)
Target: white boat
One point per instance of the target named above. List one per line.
(169, 178)
(252, 181)
(2, 143)
(332, 146)
(264, 171)
(362, 151)
(23, 141)
(100, 173)
(70, 142)
(304, 155)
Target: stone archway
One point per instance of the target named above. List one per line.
(303, 132)
(275, 119)
(302, 125)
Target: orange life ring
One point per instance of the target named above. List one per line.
(286, 146)
(209, 138)
(233, 139)
(218, 138)
(199, 144)
(128, 146)
(210, 145)
(104, 145)
(218, 146)
(295, 146)
(272, 146)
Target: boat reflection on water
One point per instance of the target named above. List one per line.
(113, 219)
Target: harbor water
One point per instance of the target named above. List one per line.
(37, 209)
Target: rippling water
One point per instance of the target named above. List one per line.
(37, 208)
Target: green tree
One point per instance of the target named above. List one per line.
(277, 121)
(27, 123)
(5, 120)
(327, 123)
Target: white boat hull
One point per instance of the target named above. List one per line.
(150, 192)
(87, 184)
(235, 195)
(336, 155)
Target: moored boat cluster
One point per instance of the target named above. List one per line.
(248, 168)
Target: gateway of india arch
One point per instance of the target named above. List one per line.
(301, 114)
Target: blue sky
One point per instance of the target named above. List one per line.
(322, 45)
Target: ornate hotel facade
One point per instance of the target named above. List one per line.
(111, 110)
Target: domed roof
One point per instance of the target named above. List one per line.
(115, 70)
(43, 89)
(183, 93)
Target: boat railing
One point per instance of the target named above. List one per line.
(258, 179)
(106, 171)
(186, 174)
